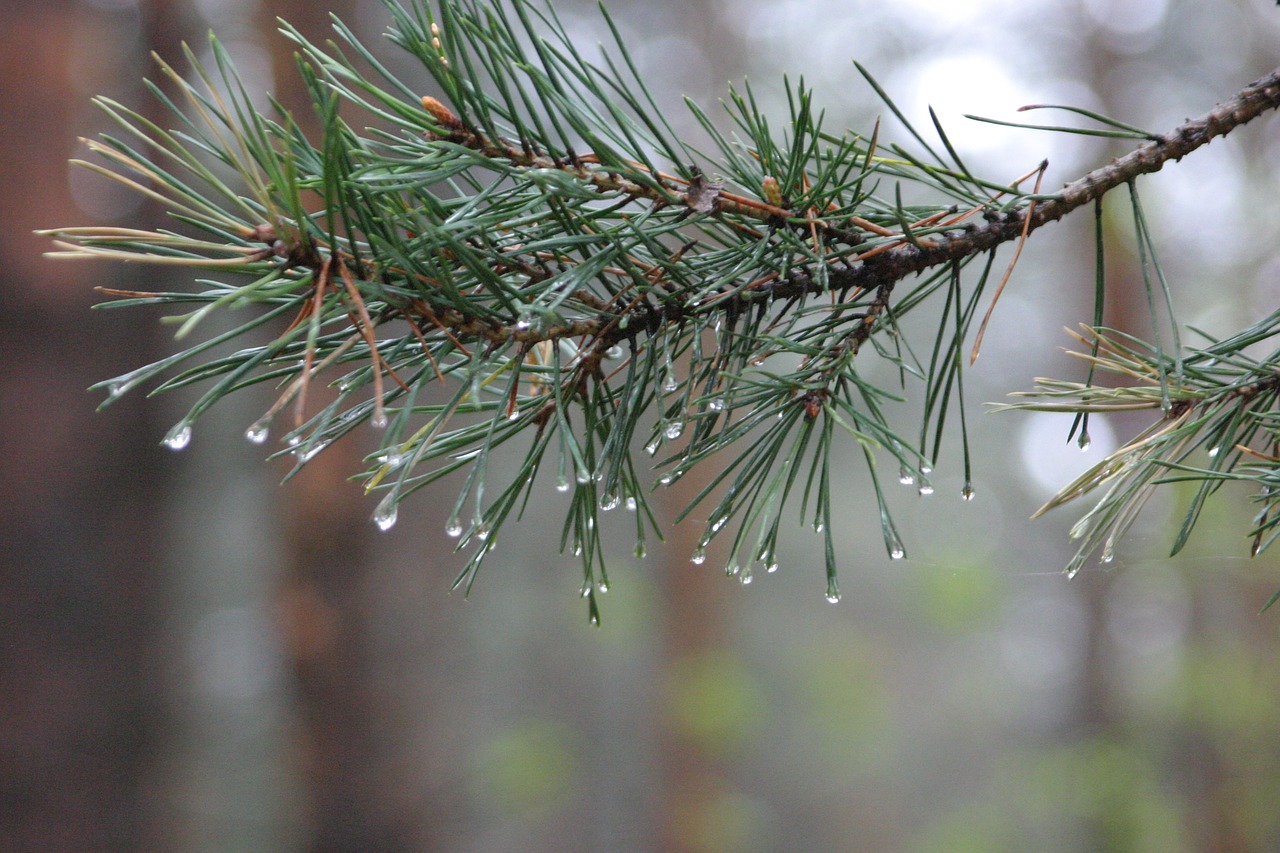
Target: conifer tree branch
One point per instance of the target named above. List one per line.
(537, 255)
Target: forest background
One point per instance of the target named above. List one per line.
(192, 657)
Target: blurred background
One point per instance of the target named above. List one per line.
(193, 657)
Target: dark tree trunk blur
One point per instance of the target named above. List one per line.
(81, 699)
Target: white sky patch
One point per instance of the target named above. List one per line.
(1049, 461)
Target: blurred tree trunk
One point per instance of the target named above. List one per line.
(81, 693)
(695, 601)
(323, 604)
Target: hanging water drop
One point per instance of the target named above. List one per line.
(669, 382)
(967, 492)
(379, 418)
(1083, 442)
(652, 447)
(309, 452)
(602, 587)
(897, 552)
(631, 503)
(178, 437)
(665, 479)
(585, 591)
(258, 432)
(745, 577)
(583, 478)
(453, 529)
(674, 429)
(613, 353)
(524, 321)
(905, 477)
(609, 502)
(833, 593)
(698, 557)
(926, 488)
(770, 567)
(1213, 451)
(716, 404)
(385, 515)
(719, 523)
(391, 459)
(562, 484)
(640, 551)
(926, 469)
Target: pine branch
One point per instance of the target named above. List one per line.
(536, 255)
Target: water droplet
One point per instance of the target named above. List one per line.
(719, 523)
(669, 383)
(585, 591)
(905, 477)
(385, 515)
(1083, 442)
(613, 353)
(583, 478)
(926, 488)
(178, 437)
(294, 440)
(897, 552)
(595, 619)
(833, 593)
(665, 479)
(745, 577)
(391, 459)
(524, 321)
(306, 454)
(640, 551)
(609, 502)
(1108, 553)
(116, 387)
(631, 503)
(967, 492)
(453, 528)
(482, 529)
(732, 570)
(379, 419)
(652, 447)
(698, 557)
(602, 587)
(258, 432)
(926, 469)
(770, 567)
(674, 429)
(562, 484)
(1213, 451)
(818, 527)
(716, 404)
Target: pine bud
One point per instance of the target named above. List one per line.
(772, 190)
(441, 113)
